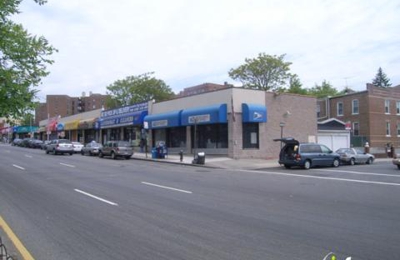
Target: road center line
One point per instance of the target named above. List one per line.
(165, 187)
(19, 167)
(324, 178)
(363, 173)
(97, 198)
(29, 156)
(68, 165)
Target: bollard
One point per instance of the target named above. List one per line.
(181, 155)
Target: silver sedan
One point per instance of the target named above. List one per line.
(352, 156)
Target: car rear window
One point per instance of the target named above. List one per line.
(62, 141)
(124, 144)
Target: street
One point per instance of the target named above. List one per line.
(82, 207)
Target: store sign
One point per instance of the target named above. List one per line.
(125, 110)
(159, 123)
(199, 119)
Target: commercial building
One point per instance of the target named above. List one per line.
(234, 122)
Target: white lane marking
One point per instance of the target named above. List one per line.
(325, 178)
(19, 167)
(165, 187)
(363, 173)
(68, 165)
(97, 198)
(29, 156)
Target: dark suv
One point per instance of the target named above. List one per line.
(116, 149)
(306, 155)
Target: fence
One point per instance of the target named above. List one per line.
(3, 252)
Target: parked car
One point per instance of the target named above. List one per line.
(16, 142)
(35, 143)
(61, 146)
(25, 142)
(91, 148)
(306, 155)
(352, 156)
(77, 147)
(116, 149)
(44, 144)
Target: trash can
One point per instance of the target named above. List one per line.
(154, 153)
(201, 158)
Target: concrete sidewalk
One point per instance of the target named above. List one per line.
(211, 161)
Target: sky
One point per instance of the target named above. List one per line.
(187, 43)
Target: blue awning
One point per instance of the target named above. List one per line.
(254, 113)
(205, 115)
(170, 119)
(129, 119)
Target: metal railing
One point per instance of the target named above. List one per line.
(3, 252)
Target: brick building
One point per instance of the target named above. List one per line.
(64, 105)
(373, 115)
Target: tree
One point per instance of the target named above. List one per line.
(265, 72)
(381, 80)
(28, 119)
(23, 60)
(324, 90)
(136, 89)
(295, 86)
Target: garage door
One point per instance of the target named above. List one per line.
(335, 142)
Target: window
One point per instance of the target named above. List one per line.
(211, 136)
(339, 106)
(387, 128)
(398, 129)
(387, 106)
(250, 135)
(318, 110)
(356, 128)
(398, 107)
(355, 109)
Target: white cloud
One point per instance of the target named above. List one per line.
(191, 42)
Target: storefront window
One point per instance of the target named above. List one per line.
(176, 137)
(211, 136)
(250, 136)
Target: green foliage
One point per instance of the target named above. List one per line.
(295, 86)
(136, 89)
(324, 90)
(23, 60)
(265, 72)
(28, 119)
(381, 80)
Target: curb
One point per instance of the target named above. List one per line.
(177, 163)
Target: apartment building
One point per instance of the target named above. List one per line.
(372, 115)
(64, 105)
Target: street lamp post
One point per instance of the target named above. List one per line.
(282, 125)
(195, 137)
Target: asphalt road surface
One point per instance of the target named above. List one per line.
(81, 207)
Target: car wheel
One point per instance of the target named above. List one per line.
(47, 152)
(101, 154)
(70, 154)
(370, 160)
(307, 164)
(398, 166)
(113, 156)
(127, 157)
(287, 166)
(82, 153)
(336, 162)
(90, 153)
(352, 161)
